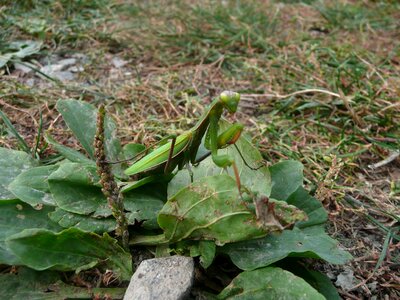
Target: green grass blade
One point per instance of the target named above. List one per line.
(38, 137)
(14, 132)
(385, 247)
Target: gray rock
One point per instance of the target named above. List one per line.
(80, 56)
(63, 76)
(59, 66)
(118, 62)
(346, 279)
(23, 68)
(30, 82)
(76, 69)
(167, 278)
(67, 62)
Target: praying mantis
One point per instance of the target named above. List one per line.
(183, 149)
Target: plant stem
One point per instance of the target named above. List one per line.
(109, 185)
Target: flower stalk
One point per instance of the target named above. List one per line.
(109, 185)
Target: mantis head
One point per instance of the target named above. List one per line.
(230, 100)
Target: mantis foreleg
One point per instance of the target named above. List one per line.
(215, 142)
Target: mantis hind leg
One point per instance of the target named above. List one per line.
(237, 177)
(191, 174)
(170, 154)
(188, 166)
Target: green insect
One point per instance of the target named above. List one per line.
(183, 149)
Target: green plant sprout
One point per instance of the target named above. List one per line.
(183, 149)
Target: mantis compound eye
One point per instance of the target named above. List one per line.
(230, 100)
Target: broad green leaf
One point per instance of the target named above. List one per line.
(315, 211)
(207, 250)
(16, 216)
(12, 163)
(310, 242)
(19, 49)
(81, 119)
(85, 223)
(258, 181)
(144, 204)
(321, 283)
(5, 58)
(131, 150)
(212, 209)
(32, 186)
(69, 250)
(28, 284)
(151, 180)
(286, 177)
(112, 142)
(6, 256)
(139, 209)
(47, 285)
(75, 189)
(68, 153)
(25, 48)
(140, 206)
(269, 283)
(317, 280)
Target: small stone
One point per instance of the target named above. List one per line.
(118, 62)
(49, 69)
(167, 278)
(58, 66)
(330, 275)
(30, 82)
(372, 286)
(80, 56)
(76, 69)
(63, 76)
(67, 62)
(24, 69)
(346, 279)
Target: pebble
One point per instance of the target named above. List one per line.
(118, 62)
(167, 278)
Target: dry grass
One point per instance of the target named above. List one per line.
(180, 56)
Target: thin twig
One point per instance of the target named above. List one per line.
(307, 91)
(389, 107)
(393, 156)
